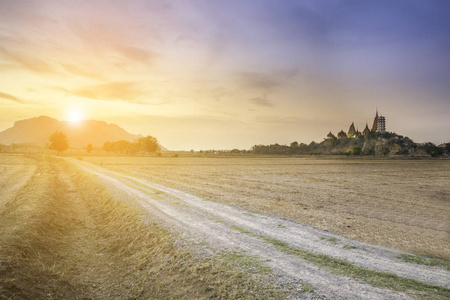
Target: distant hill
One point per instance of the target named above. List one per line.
(38, 130)
(373, 144)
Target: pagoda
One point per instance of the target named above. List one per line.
(379, 123)
(331, 136)
(351, 130)
(366, 130)
(341, 134)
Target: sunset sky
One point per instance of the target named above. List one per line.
(224, 74)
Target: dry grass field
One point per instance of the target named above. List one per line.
(63, 236)
(73, 230)
(402, 204)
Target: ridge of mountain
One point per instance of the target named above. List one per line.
(37, 131)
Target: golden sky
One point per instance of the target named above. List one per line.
(211, 74)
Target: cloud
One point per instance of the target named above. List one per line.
(116, 33)
(257, 80)
(30, 62)
(265, 81)
(125, 91)
(85, 72)
(261, 102)
(134, 53)
(58, 88)
(10, 97)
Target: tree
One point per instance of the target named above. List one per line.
(148, 144)
(107, 146)
(357, 150)
(89, 148)
(59, 142)
(121, 146)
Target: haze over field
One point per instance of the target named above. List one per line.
(229, 74)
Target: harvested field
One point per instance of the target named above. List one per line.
(71, 229)
(402, 204)
(63, 236)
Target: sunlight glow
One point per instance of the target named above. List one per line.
(75, 115)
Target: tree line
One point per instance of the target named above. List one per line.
(145, 144)
(375, 144)
(59, 142)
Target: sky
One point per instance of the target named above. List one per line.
(214, 74)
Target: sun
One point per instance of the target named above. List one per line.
(75, 116)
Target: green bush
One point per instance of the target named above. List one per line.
(357, 150)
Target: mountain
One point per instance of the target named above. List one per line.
(38, 130)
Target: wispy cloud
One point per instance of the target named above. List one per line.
(261, 102)
(10, 97)
(134, 53)
(125, 91)
(107, 36)
(264, 81)
(257, 80)
(29, 62)
(82, 71)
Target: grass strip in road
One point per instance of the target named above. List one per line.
(251, 263)
(349, 247)
(245, 231)
(344, 268)
(426, 261)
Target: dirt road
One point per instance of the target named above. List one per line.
(212, 226)
(64, 236)
(401, 204)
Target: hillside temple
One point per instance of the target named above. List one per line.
(379, 125)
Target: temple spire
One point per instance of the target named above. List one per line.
(375, 122)
(351, 130)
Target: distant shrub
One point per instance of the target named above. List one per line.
(437, 152)
(357, 150)
(370, 151)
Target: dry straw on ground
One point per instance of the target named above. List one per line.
(64, 237)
